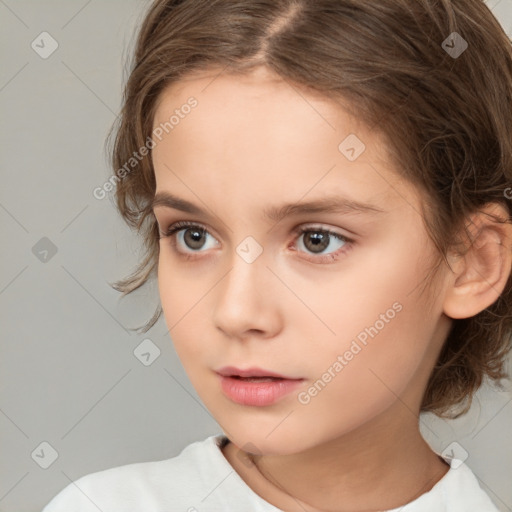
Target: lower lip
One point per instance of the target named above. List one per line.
(257, 393)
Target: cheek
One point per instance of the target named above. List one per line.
(376, 362)
(384, 269)
(187, 294)
(180, 288)
(383, 331)
(178, 295)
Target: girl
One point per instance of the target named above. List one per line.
(321, 187)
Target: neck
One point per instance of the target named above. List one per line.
(383, 464)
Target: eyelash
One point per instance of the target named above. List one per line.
(331, 257)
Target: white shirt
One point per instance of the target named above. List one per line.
(200, 479)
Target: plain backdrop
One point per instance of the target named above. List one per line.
(74, 398)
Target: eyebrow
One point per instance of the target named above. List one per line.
(329, 204)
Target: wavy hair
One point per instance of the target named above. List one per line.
(446, 119)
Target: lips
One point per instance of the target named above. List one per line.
(255, 386)
(231, 371)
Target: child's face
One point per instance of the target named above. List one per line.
(348, 318)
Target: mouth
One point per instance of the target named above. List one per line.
(256, 379)
(252, 373)
(255, 386)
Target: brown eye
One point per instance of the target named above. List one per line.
(314, 241)
(194, 238)
(188, 240)
(187, 236)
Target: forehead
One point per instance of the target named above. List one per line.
(258, 130)
(258, 89)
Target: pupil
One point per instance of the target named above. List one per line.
(319, 241)
(193, 238)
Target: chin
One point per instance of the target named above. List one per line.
(269, 437)
(259, 445)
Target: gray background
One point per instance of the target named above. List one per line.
(69, 374)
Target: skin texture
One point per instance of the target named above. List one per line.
(255, 141)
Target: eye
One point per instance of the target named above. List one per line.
(317, 239)
(188, 233)
(313, 241)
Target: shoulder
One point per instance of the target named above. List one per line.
(169, 482)
(462, 490)
(458, 491)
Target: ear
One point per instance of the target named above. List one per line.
(481, 273)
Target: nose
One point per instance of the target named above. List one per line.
(246, 300)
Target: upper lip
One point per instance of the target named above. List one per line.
(231, 371)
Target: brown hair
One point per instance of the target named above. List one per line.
(446, 120)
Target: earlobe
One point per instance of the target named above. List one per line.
(481, 274)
